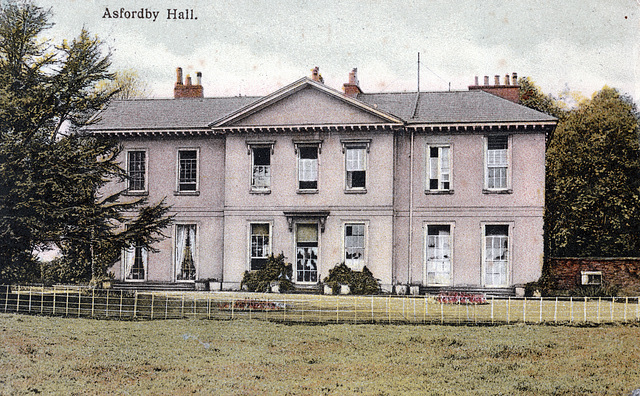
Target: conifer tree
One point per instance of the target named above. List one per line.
(51, 174)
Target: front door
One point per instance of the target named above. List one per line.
(307, 253)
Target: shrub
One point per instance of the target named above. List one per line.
(360, 282)
(275, 270)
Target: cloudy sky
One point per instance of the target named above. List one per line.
(252, 47)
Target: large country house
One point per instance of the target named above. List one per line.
(431, 189)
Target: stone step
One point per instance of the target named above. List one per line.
(153, 286)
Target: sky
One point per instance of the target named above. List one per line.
(253, 47)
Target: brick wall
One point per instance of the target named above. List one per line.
(621, 272)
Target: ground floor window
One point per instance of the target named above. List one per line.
(307, 252)
(260, 245)
(496, 256)
(185, 252)
(354, 246)
(438, 255)
(135, 263)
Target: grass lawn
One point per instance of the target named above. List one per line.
(53, 355)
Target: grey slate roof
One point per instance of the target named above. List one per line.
(456, 107)
(453, 107)
(166, 113)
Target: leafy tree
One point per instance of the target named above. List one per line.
(126, 84)
(50, 181)
(593, 180)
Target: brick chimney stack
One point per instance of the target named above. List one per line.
(509, 90)
(352, 88)
(187, 90)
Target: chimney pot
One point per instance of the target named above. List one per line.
(188, 79)
(514, 78)
(497, 79)
(476, 80)
(198, 78)
(507, 81)
(486, 80)
(179, 76)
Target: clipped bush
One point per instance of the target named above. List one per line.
(360, 282)
(275, 270)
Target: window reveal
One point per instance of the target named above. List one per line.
(260, 245)
(306, 253)
(188, 170)
(261, 168)
(356, 169)
(497, 162)
(185, 252)
(354, 242)
(137, 170)
(439, 168)
(308, 167)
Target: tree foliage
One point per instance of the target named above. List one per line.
(126, 84)
(593, 180)
(50, 182)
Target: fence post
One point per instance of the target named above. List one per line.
(540, 320)
(93, 300)
(555, 312)
(195, 306)
(135, 303)
(42, 300)
(441, 311)
(337, 309)
(524, 310)
(585, 309)
(508, 309)
(152, 298)
(166, 304)
(18, 301)
(209, 306)
(626, 302)
(426, 310)
(54, 301)
(598, 310)
(389, 308)
(6, 298)
(355, 308)
(492, 309)
(106, 305)
(120, 308)
(233, 303)
(79, 298)
(611, 307)
(66, 308)
(372, 318)
(182, 307)
(571, 309)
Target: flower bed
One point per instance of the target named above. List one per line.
(461, 298)
(251, 305)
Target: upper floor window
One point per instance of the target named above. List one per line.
(188, 170)
(308, 167)
(497, 163)
(261, 168)
(439, 168)
(137, 170)
(356, 167)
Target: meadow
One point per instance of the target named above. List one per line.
(77, 356)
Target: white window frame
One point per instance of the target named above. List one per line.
(250, 241)
(251, 146)
(509, 253)
(439, 146)
(146, 170)
(586, 278)
(125, 259)
(355, 144)
(509, 167)
(197, 182)
(295, 250)
(195, 249)
(425, 274)
(299, 145)
(365, 256)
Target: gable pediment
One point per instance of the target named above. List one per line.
(306, 103)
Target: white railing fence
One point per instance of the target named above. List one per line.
(304, 308)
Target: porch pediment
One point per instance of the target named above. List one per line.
(317, 215)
